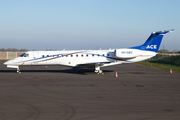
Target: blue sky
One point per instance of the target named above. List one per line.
(87, 24)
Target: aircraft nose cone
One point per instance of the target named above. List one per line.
(6, 63)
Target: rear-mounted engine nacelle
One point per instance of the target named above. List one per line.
(126, 53)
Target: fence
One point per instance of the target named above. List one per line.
(9, 55)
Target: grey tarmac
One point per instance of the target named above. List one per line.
(64, 93)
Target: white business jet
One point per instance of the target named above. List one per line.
(91, 58)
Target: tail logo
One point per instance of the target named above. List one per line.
(151, 47)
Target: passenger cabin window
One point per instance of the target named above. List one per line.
(47, 55)
(76, 55)
(93, 55)
(107, 54)
(82, 55)
(42, 55)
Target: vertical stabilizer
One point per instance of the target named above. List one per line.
(153, 42)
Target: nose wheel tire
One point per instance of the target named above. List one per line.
(18, 70)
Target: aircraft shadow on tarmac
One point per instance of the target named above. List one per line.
(72, 71)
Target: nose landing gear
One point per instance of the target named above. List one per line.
(13, 66)
(18, 70)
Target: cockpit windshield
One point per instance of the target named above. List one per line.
(24, 55)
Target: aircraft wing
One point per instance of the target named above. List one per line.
(92, 65)
(114, 61)
(100, 64)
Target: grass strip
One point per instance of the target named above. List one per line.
(161, 66)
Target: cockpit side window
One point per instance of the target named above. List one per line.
(26, 55)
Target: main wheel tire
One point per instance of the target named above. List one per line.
(100, 71)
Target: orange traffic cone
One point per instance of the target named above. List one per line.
(170, 71)
(116, 75)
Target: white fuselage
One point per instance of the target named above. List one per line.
(81, 57)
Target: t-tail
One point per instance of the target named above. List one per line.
(153, 42)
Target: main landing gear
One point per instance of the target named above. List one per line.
(98, 70)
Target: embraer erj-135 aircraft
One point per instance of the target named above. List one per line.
(91, 58)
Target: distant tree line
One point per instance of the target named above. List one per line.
(171, 60)
(13, 50)
(167, 51)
